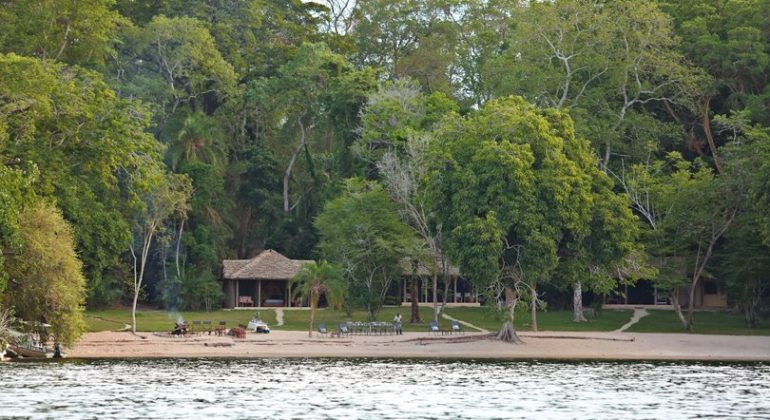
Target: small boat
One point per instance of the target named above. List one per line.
(25, 345)
(31, 351)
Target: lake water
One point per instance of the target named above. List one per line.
(360, 388)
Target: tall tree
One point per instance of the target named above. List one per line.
(165, 196)
(515, 189)
(394, 145)
(369, 246)
(688, 211)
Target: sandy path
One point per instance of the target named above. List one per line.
(639, 313)
(543, 345)
(467, 324)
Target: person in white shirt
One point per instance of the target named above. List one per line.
(397, 324)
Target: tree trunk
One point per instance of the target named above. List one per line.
(415, 305)
(677, 307)
(705, 107)
(691, 306)
(287, 173)
(577, 302)
(507, 333)
(445, 265)
(178, 246)
(313, 304)
(138, 278)
(534, 308)
(435, 296)
(756, 291)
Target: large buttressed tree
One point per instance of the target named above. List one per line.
(519, 194)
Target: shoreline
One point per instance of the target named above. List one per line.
(551, 346)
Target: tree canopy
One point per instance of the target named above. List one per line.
(263, 118)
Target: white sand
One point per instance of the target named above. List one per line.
(544, 345)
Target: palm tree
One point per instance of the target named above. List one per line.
(199, 139)
(319, 278)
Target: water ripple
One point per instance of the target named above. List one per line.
(388, 389)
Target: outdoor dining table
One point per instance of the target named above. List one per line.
(371, 328)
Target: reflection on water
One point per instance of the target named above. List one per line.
(357, 388)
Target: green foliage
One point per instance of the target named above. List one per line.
(409, 38)
(369, 245)
(729, 40)
(513, 184)
(707, 322)
(46, 279)
(198, 139)
(255, 36)
(89, 146)
(245, 94)
(604, 61)
(74, 32)
(683, 205)
(321, 278)
(201, 291)
(257, 193)
(743, 267)
(15, 193)
(172, 62)
(395, 112)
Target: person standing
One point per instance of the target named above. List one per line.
(397, 324)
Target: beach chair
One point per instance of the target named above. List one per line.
(207, 326)
(344, 330)
(322, 329)
(456, 327)
(434, 327)
(221, 328)
(195, 328)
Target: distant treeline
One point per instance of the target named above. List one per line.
(573, 143)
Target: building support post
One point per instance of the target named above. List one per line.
(288, 294)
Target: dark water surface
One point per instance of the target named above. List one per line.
(358, 388)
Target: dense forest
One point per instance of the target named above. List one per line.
(576, 144)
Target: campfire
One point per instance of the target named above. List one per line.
(180, 328)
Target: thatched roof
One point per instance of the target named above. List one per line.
(423, 270)
(268, 265)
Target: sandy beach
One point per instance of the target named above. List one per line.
(544, 346)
